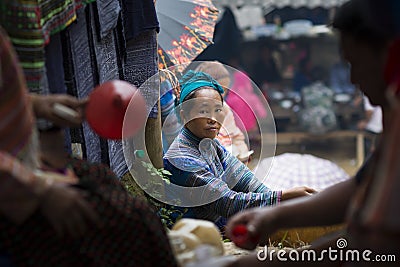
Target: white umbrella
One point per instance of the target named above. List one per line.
(290, 170)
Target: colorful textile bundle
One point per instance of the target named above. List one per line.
(30, 24)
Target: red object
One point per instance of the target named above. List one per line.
(107, 106)
(392, 64)
(392, 69)
(241, 236)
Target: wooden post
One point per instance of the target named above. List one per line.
(153, 140)
(360, 149)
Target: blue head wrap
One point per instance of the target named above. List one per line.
(193, 80)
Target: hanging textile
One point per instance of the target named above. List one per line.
(80, 75)
(139, 16)
(140, 31)
(104, 43)
(55, 74)
(91, 55)
(30, 24)
(140, 65)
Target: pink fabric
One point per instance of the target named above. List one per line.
(244, 102)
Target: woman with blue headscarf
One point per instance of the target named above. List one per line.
(197, 160)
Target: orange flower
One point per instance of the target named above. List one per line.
(187, 41)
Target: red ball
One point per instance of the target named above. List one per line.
(241, 236)
(107, 106)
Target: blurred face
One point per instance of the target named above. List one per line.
(367, 67)
(203, 114)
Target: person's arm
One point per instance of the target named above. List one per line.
(219, 197)
(362, 124)
(244, 180)
(325, 208)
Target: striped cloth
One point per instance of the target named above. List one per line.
(30, 24)
(15, 108)
(192, 165)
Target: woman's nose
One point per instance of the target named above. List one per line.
(217, 116)
(212, 120)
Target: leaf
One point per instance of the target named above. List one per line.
(166, 172)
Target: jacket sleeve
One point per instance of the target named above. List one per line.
(224, 198)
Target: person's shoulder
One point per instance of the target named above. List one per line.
(86, 168)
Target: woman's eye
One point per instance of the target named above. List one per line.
(203, 111)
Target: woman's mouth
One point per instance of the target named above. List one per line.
(212, 129)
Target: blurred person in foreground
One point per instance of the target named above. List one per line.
(367, 203)
(371, 124)
(61, 211)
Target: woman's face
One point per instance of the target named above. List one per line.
(203, 114)
(367, 67)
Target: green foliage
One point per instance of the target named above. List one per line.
(280, 244)
(169, 215)
(155, 181)
(153, 171)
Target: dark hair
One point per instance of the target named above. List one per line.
(193, 94)
(356, 18)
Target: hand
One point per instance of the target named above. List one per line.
(260, 223)
(43, 108)
(361, 125)
(67, 210)
(297, 192)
